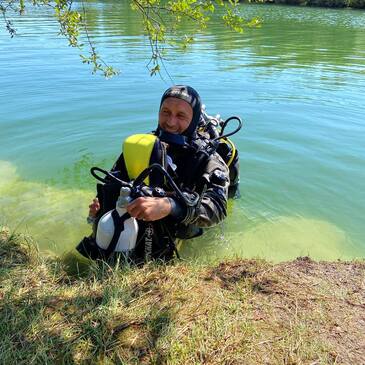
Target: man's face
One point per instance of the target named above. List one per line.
(175, 115)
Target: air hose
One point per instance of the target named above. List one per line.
(224, 125)
(190, 199)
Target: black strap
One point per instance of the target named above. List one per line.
(148, 241)
(170, 240)
(118, 228)
(195, 165)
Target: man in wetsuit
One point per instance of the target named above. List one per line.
(192, 169)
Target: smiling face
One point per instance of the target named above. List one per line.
(175, 115)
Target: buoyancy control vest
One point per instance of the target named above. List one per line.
(141, 151)
(227, 150)
(115, 231)
(213, 130)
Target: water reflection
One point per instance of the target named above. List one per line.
(305, 37)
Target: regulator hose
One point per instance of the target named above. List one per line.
(155, 166)
(107, 173)
(190, 201)
(224, 125)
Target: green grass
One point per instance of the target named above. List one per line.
(66, 311)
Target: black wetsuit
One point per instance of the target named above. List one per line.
(210, 180)
(209, 177)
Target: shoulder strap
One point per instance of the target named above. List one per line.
(202, 150)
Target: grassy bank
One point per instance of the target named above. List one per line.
(238, 312)
(356, 4)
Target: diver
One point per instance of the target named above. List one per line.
(182, 146)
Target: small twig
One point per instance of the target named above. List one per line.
(269, 341)
(361, 305)
(124, 326)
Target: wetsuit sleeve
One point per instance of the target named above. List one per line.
(213, 206)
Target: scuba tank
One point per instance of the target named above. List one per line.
(106, 228)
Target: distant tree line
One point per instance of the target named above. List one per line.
(357, 4)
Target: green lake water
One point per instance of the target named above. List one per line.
(298, 82)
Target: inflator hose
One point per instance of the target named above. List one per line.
(139, 180)
(156, 166)
(107, 173)
(224, 125)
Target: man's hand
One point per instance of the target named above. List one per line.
(94, 208)
(149, 208)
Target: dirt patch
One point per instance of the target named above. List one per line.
(228, 274)
(315, 302)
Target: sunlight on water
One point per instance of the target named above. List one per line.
(54, 217)
(289, 237)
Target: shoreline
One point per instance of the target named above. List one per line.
(55, 310)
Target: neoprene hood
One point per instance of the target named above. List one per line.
(192, 97)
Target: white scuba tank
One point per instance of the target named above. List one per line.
(105, 230)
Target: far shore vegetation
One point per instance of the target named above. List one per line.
(356, 4)
(64, 311)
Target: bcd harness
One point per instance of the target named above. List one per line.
(146, 163)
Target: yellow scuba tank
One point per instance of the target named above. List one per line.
(137, 152)
(116, 230)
